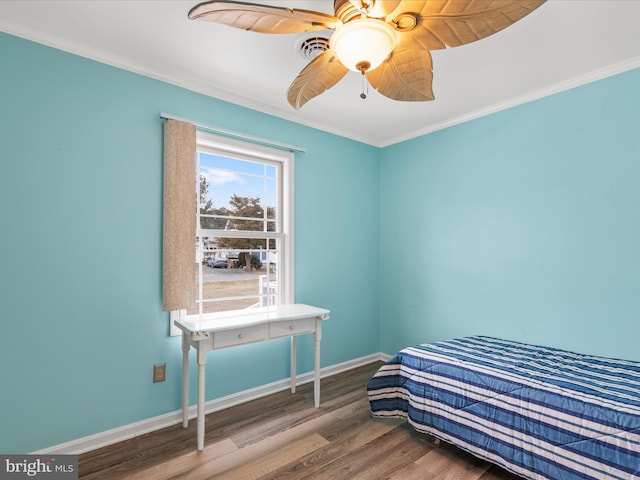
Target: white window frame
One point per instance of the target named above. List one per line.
(224, 146)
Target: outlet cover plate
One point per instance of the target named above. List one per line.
(159, 372)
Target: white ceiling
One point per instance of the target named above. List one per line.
(562, 44)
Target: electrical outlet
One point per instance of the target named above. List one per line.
(159, 371)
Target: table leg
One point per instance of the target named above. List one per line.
(317, 336)
(185, 380)
(202, 360)
(293, 364)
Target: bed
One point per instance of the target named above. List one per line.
(541, 413)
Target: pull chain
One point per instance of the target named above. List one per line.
(365, 87)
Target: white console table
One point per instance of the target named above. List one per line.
(228, 329)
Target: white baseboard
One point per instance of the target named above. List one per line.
(109, 437)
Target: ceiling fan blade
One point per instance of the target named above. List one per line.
(261, 18)
(453, 23)
(320, 75)
(406, 75)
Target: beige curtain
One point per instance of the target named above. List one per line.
(178, 217)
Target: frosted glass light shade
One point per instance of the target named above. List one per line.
(361, 42)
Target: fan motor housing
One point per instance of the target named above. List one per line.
(345, 10)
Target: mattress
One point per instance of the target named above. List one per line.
(540, 412)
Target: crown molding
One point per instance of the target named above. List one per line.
(574, 82)
(220, 93)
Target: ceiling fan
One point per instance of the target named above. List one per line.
(388, 41)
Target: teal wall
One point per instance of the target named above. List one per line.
(524, 224)
(80, 250)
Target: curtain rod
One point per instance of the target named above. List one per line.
(231, 133)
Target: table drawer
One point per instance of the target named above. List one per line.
(238, 336)
(291, 327)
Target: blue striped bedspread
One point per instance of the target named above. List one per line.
(539, 412)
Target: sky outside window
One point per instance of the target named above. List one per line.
(228, 176)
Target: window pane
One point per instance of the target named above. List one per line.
(236, 273)
(231, 191)
(235, 165)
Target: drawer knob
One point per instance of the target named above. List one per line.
(239, 335)
(290, 327)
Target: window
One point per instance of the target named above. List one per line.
(243, 248)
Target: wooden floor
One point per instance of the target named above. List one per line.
(283, 437)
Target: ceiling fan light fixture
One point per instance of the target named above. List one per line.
(363, 44)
